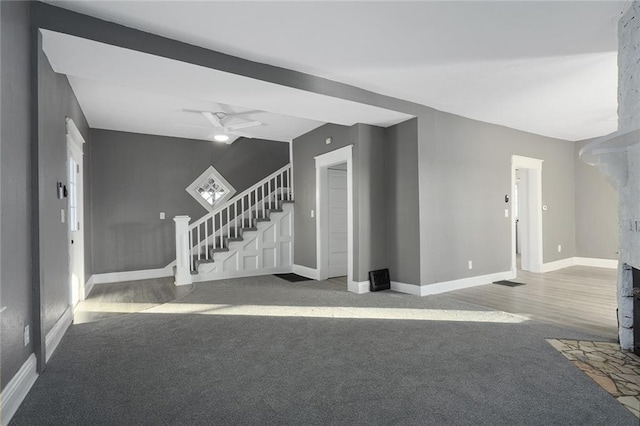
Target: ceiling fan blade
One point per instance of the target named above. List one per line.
(213, 119)
(242, 134)
(244, 125)
(241, 113)
(192, 127)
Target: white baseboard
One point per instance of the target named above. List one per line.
(579, 261)
(17, 389)
(360, 287)
(240, 274)
(405, 288)
(558, 264)
(57, 332)
(598, 263)
(88, 286)
(446, 286)
(144, 274)
(306, 272)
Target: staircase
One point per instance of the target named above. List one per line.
(251, 234)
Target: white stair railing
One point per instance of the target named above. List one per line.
(225, 221)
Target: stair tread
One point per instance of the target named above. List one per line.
(217, 249)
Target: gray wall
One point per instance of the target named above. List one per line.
(369, 193)
(56, 101)
(403, 225)
(370, 204)
(305, 148)
(134, 177)
(15, 206)
(596, 211)
(468, 164)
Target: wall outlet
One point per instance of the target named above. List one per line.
(162, 215)
(559, 248)
(470, 264)
(27, 335)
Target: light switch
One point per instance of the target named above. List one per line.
(62, 215)
(506, 212)
(312, 213)
(162, 215)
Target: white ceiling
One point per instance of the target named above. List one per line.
(120, 89)
(544, 67)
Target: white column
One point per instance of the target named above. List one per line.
(183, 272)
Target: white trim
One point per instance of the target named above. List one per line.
(446, 286)
(17, 389)
(145, 274)
(74, 133)
(341, 155)
(57, 333)
(597, 263)
(241, 274)
(579, 261)
(405, 288)
(532, 252)
(75, 141)
(558, 264)
(361, 287)
(306, 272)
(88, 286)
(192, 189)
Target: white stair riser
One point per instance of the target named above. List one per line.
(269, 249)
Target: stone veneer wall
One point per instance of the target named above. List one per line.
(629, 192)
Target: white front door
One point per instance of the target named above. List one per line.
(338, 254)
(75, 216)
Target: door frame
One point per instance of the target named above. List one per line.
(323, 162)
(75, 143)
(533, 246)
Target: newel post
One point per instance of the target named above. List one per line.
(183, 270)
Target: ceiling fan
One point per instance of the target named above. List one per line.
(223, 131)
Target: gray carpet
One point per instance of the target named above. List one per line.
(232, 367)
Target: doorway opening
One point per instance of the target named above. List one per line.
(75, 213)
(526, 214)
(334, 215)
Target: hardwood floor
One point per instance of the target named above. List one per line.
(579, 297)
(109, 300)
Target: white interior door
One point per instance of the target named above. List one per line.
(75, 215)
(338, 248)
(524, 220)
